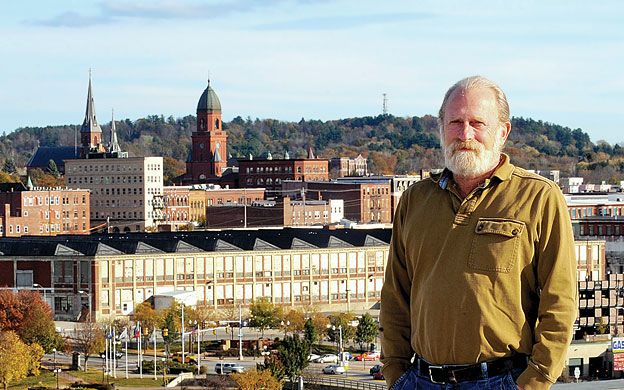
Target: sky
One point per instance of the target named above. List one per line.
(558, 61)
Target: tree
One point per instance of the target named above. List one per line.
(294, 321)
(146, 315)
(52, 169)
(8, 178)
(320, 322)
(264, 315)
(170, 323)
(172, 168)
(89, 339)
(293, 351)
(310, 332)
(344, 320)
(256, 380)
(15, 358)
(9, 166)
(366, 331)
(30, 317)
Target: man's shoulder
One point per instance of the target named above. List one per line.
(533, 179)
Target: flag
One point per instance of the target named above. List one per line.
(137, 331)
(153, 337)
(123, 336)
(109, 335)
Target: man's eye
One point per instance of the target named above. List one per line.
(477, 124)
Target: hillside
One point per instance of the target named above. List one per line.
(392, 144)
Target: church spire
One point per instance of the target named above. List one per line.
(90, 131)
(114, 145)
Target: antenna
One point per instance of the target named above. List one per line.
(384, 109)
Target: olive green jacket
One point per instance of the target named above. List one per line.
(475, 279)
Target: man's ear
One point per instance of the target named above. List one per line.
(505, 130)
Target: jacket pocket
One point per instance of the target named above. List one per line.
(495, 244)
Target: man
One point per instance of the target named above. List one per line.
(480, 285)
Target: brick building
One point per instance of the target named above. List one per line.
(188, 204)
(270, 173)
(43, 211)
(208, 157)
(346, 166)
(365, 201)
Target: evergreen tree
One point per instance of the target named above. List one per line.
(311, 334)
(366, 330)
(52, 169)
(293, 352)
(9, 166)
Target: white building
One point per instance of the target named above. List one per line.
(122, 190)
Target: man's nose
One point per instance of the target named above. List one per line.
(465, 132)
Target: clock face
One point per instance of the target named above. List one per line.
(201, 146)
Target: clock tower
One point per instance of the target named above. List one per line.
(208, 157)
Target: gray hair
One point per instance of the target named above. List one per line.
(478, 82)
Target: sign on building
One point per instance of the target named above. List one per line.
(617, 346)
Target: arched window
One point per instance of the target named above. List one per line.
(202, 124)
(217, 123)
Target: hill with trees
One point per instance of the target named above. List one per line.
(392, 144)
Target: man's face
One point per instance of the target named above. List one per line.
(472, 134)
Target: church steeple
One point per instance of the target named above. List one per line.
(114, 145)
(90, 132)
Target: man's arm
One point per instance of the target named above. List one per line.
(556, 275)
(395, 319)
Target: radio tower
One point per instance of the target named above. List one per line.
(384, 109)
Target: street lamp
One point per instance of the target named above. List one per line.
(40, 287)
(55, 370)
(285, 325)
(339, 327)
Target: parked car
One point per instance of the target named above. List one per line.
(334, 369)
(228, 368)
(313, 357)
(327, 358)
(346, 356)
(118, 355)
(375, 369)
(378, 375)
(368, 356)
(188, 358)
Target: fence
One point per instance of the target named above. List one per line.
(342, 383)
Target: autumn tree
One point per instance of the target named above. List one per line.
(30, 317)
(256, 380)
(43, 179)
(89, 339)
(294, 321)
(172, 168)
(148, 317)
(320, 322)
(15, 358)
(264, 315)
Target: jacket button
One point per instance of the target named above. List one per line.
(515, 232)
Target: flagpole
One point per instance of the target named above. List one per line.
(183, 361)
(126, 341)
(198, 348)
(140, 352)
(154, 335)
(114, 354)
(107, 353)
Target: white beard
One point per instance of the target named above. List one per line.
(474, 162)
